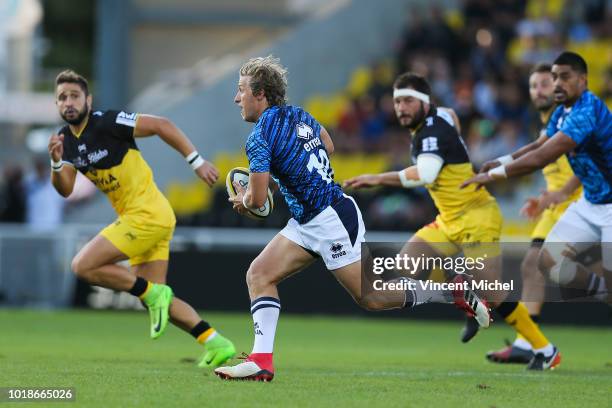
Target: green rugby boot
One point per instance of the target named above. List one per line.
(218, 351)
(158, 299)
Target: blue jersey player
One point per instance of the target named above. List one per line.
(289, 145)
(581, 128)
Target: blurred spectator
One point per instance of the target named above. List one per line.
(13, 197)
(507, 138)
(382, 80)
(373, 124)
(346, 137)
(607, 89)
(510, 105)
(441, 82)
(477, 12)
(485, 95)
(44, 206)
(487, 55)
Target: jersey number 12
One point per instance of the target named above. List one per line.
(320, 163)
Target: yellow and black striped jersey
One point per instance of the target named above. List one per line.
(106, 153)
(437, 135)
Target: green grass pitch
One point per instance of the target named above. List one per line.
(320, 361)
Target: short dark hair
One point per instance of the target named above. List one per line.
(414, 81)
(572, 59)
(541, 68)
(71, 77)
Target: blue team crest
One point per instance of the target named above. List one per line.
(304, 131)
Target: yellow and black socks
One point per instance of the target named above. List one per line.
(517, 316)
(140, 288)
(520, 341)
(203, 332)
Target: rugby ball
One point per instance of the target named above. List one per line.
(241, 175)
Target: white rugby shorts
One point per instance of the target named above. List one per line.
(583, 225)
(335, 234)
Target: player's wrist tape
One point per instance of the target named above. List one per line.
(57, 166)
(498, 172)
(505, 159)
(408, 183)
(195, 160)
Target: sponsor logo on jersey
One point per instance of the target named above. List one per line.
(336, 248)
(107, 184)
(127, 119)
(79, 162)
(82, 148)
(97, 155)
(304, 131)
(312, 144)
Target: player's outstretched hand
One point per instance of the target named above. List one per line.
(208, 172)
(550, 198)
(488, 165)
(56, 147)
(479, 179)
(363, 181)
(236, 200)
(530, 208)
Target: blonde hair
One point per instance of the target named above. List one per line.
(267, 75)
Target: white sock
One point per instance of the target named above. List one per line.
(522, 344)
(265, 311)
(546, 350)
(597, 287)
(420, 295)
(212, 336)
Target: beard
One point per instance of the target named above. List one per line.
(79, 118)
(545, 104)
(415, 120)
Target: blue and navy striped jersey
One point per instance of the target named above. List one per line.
(589, 123)
(286, 142)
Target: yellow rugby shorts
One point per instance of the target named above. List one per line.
(141, 242)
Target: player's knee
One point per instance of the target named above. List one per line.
(79, 267)
(257, 275)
